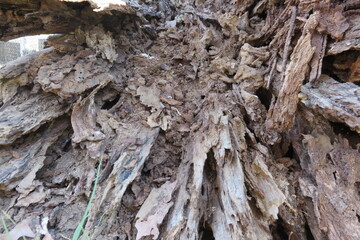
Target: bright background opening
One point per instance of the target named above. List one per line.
(18, 47)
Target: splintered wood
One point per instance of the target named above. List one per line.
(339, 102)
(281, 114)
(211, 120)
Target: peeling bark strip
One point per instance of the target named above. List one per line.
(19, 117)
(225, 192)
(329, 186)
(126, 168)
(192, 107)
(339, 102)
(154, 210)
(319, 41)
(83, 121)
(74, 74)
(21, 163)
(281, 115)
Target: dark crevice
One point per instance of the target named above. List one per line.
(278, 231)
(205, 231)
(109, 104)
(209, 194)
(290, 152)
(35, 136)
(355, 5)
(265, 97)
(252, 202)
(229, 86)
(110, 22)
(207, 234)
(214, 22)
(339, 66)
(345, 131)
(210, 167)
(67, 145)
(208, 47)
(247, 119)
(62, 184)
(308, 233)
(329, 159)
(54, 153)
(181, 61)
(77, 5)
(357, 187)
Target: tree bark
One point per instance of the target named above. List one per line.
(207, 119)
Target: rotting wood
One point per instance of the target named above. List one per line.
(319, 41)
(17, 118)
(184, 101)
(287, 42)
(339, 102)
(329, 180)
(281, 114)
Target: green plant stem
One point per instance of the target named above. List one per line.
(79, 228)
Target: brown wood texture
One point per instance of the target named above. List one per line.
(235, 119)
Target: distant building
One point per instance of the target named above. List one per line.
(15, 48)
(31, 43)
(9, 51)
(41, 43)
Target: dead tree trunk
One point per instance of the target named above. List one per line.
(210, 119)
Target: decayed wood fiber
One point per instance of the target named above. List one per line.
(211, 119)
(339, 102)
